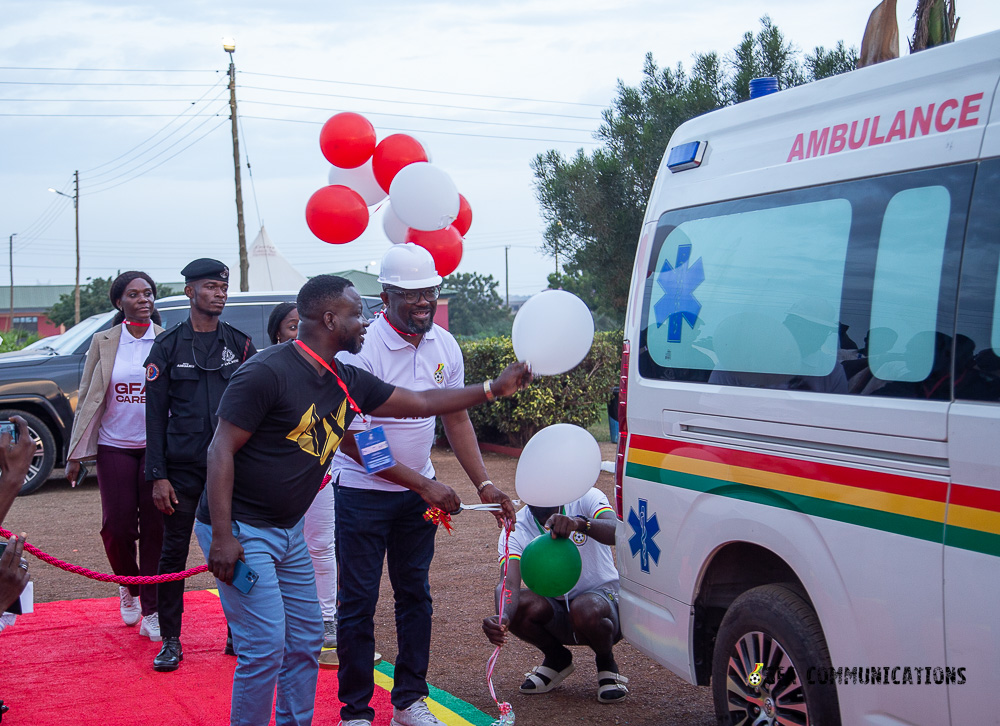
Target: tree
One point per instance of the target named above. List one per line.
(593, 205)
(94, 299)
(476, 309)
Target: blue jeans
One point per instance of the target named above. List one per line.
(277, 627)
(373, 526)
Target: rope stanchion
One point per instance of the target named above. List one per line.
(102, 576)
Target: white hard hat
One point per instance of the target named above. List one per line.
(408, 266)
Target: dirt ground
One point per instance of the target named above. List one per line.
(65, 522)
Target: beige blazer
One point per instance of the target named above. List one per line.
(90, 403)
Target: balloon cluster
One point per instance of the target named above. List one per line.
(424, 206)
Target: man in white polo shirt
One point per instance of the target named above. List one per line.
(377, 517)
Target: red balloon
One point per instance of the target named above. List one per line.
(336, 214)
(347, 140)
(445, 246)
(392, 154)
(464, 219)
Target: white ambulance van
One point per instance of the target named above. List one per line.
(808, 474)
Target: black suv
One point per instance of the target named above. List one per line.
(41, 383)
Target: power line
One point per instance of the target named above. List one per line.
(87, 171)
(126, 181)
(417, 103)
(423, 90)
(429, 131)
(311, 80)
(206, 119)
(423, 118)
(112, 70)
(109, 83)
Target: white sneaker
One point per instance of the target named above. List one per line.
(416, 715)
(129, 606)
(151, 627)
(356, 722)
(6, 620)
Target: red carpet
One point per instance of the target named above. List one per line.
(75, 662)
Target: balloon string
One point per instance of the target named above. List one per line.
(504, 594)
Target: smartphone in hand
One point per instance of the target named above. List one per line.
(244, 578)
(9, 427)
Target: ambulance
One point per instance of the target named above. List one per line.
(808, 473)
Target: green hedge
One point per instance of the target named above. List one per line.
(576, 397)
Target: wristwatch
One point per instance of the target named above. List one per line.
(488, 390)
(482, 485)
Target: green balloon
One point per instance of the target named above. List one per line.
(550, 567)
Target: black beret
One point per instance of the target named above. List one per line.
(205, 268)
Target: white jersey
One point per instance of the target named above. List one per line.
(435, 363)
(598, 562)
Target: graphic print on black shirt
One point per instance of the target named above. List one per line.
(296, 418)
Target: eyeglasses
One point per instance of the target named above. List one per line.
(429, 294)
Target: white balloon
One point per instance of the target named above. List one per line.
(393, 227)
(553, 331)
(361, 179)
(558, 466)
(424, 197)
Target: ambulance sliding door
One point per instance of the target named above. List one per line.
(972, 532)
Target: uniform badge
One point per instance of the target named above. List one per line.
(228, 357)
(439, 373)
(152, 372)
(579, 538)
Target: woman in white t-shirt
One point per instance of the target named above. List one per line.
(110, 426)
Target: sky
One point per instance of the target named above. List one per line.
(134, 96)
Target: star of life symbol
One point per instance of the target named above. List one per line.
(644, 529)
(228, 357)
(679, 305)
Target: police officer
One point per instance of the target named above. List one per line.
(187, 370)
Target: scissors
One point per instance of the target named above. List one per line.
(488, 507)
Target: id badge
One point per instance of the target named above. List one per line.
(375, 452)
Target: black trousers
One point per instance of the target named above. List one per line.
(188, 485)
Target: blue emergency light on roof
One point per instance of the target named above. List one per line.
(686, 156)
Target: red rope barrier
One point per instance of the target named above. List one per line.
(104, 577)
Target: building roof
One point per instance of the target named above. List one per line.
(39, 298)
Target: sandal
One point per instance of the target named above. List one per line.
(543, 679)
(611, 687)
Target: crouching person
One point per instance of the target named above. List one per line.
(586, 615)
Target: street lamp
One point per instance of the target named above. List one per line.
(76, 209)
(229, 45)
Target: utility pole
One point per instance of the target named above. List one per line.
(229, 46)
(10, 323)
(506, 273)
(76, 209)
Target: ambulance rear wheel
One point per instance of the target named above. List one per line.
(774, 626)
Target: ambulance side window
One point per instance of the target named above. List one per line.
(844, 288)
(977, 343)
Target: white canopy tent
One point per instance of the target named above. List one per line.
(269, 270)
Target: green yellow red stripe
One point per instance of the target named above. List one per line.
(905, 505)
(602, 510)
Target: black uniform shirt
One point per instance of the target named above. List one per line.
(183, 390)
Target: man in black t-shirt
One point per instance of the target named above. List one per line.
(280, 420)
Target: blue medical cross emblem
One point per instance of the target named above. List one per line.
(644, 529)
(679, 305)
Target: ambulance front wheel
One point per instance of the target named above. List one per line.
(774, 626)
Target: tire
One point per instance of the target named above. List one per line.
(773, 625)
(45, 453)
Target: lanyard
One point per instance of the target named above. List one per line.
(340, 382)
(386, 318)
